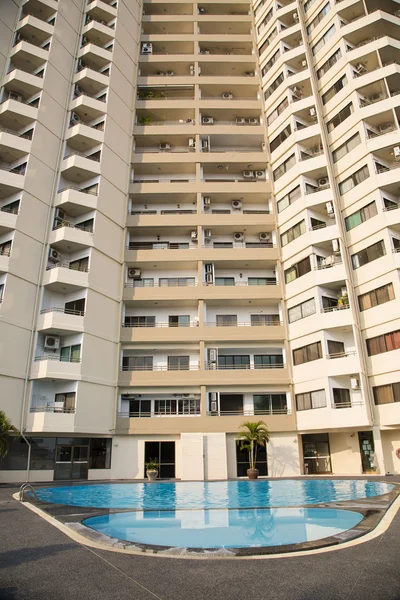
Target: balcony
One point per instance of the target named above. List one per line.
(11, 180)
(41, 9)
(35, 29)
(13, 147)
(82, 137)
(62, 277)
(94, 56)
(51, 367)
(101, 10)
(76, 201)
(79, 167)
(92, 82)
(53, 420)
(57, 320)
(98, 32)
(24, 83)
(69, 238)
(342, 363)
(330, 417)
(16, 113)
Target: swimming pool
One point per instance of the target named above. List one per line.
(213, 494)
(224, 528)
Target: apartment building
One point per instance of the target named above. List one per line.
(190, 194)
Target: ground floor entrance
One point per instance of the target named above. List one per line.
(72, 462)
(316, 454)
(164, 454)
(242, 460)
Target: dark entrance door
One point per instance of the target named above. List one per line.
(316, 454)
(164, 454)
(71, 462)
(367, 449)
(242, 460)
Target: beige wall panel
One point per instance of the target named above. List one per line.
(114, 169)
(52, 115)
(99, 360)
(123, 87)
(61, 58)
(9, 13)
(118, 139)
(102, 316)
(108, 237)
(283, 455)
(105, 275)
(45, 146)
(130, 9)
(14, 346)
(115, 209)
(6, 35)
(345, 453)
(39, 179)
(11, 398)
(391, 443)
(95, 408)
(127, 33)
(57, 86)
(123, 61)
(125, 458)
(25, 257)
(67, 28)
(192, 450)
(18, 303)
(32, 217)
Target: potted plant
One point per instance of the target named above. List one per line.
(255, 434)
(152, 469)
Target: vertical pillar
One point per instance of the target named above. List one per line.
(379, 462)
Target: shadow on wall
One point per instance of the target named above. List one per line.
(284, 460)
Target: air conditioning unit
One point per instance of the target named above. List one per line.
(264, 236)
(207, 120)
(313, 112)
(204, 144)
(329, 261)
(260, 174)
(207, 234)
(192, 70)
(336, 245)
(81, 65)
(193, 235)
(209, 267)
(249, 74)
(303, 63)
(238, 236)
(54, 255)
(249, 174)
(204, 51)
(323, 182)
(207, 201)
(240, 120)
(295, 16)
(236, 204)
(160, 73)
(227, 96)
(147, 48)
(329, 208)
(134, 273)
(14, 96)
(75, 118)
(51, 342)
(297, 91)
(344, 291)
(78, 90)
(396, 151)
(253, 121)
(385, 127)
(209, 278)
(213, 402)
(354, 383)
(201, 10)
(212, 355)
(170, 73)
(361, 68)
(192, 144)
(165, 146)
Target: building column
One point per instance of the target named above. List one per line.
(378, 450)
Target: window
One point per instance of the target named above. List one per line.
(323, 40)
(258, 7)
(278, 110)
(226, 320)
(224, 281)
(308, 5)
(12, 207)
(341, 398)
(354, 180)
(268, 65)
(179, 321)
(301, 311)
(307, 353)
(137, 363)
(336, 349)
(284, 167)
(264, 320)
(335, 89)
(280, 138)
(176, 281)
(383, 343)
(274, 86)
(144, 282)
(235, 361)
(376, 297)
(100, 453)
(140, 321)
(270, 403)
(340, 117)
(68, 401)
(293, 233)
(82, 264)
(347, 147)
(287, 200)
(328, 302)
(329, 63)
(267, 42)
(360, 216)
(265, 20)
(75, 307)
(298, 270)
(322, 13)
(386, 394)
(309, 400)
(70, 353)
(266, 361)
(368, 254)
(86, 225)
(1, 292)
(139, 408)
(261, 281)
(5, 248)
(178, 363)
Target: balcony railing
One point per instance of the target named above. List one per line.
(243, 324)
(322, 226)
(384, 168)
(69, 359)
(152, 284)
(66, 311)
(347, 404)
(13, 211)
(367, 101)
(216, 367)
(76, 189)
(67, 266)
(330, 309)
(233, 245)
(96, 156)
(51, 409)
(27, 135)
(163, 212)
(249, 413)
(160, 324)
(162, 246)
(322, 266)
(65, 223)
(341, 354)
(5, 251)
(160, 368)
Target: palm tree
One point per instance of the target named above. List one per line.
(257, 434)
(6, 427)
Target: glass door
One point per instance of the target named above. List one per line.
(316, 454)
(164, 454)
(71, 462)
(367, 451)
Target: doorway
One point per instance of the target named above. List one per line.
(72, 462)
(367, 451)
(316, 454)
(242, 460)
(164, 454)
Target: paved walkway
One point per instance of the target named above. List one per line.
(38, 562)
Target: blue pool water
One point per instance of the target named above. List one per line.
(225, 528)
(212, 494)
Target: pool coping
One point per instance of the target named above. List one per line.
(377, 511)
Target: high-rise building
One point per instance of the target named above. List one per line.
(190, 194)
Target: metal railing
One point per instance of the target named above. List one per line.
(140, 414)
(13, 211)
(162, 212)
(24, 488)
(162, 246)
(65, 223)
(384, 168)
(20, 135)
(317, 189)
(93, 157)
(347, 404)
(160, 324)
(66, 311)
(243, 324)
(165, 180)
(5, 251)
(216, 367)
(329, 309)
(76, 189)
(249, 413)
(152, 284)
(52, 409)
(57, 357)
(322, 266)
(343, 354)
(67, 266)
(160, 368)
(321, 226)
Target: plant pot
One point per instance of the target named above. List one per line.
(152, 474)
(252, 473)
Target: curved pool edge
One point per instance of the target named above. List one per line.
(377, 520)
